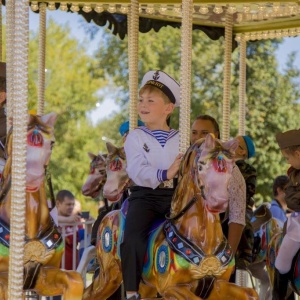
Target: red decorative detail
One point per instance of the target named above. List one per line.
(188, 251)
(56, 236)
(35, 138)
(7, 237)
(174, 239)
(115, 165)
(220, 165)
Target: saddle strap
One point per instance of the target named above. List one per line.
(4, 234)
(191, 252)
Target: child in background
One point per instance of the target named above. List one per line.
(289, 143)
(153, 160)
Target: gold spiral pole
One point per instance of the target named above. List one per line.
(133, 48)
(185, 75)
(227, 77)
(19, 146)
(42, 59)
(10, 33)
(242, 86)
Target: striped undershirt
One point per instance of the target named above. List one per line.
(161, 136)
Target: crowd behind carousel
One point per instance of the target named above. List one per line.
(152, 164)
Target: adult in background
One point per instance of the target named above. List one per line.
(65, 202)
(278, 205)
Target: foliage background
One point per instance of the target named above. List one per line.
(76, 81)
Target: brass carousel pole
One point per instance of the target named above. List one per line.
(19, 46)
(42, 58)
(227, 77)
(133, 50)
(185, 75)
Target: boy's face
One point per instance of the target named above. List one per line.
(292, 158)
(152, 108)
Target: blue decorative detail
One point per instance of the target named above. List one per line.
(162, 259)
(107, 239)
(220, 157)
(35, 131)
(272, 257)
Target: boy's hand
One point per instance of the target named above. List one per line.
(173, 170)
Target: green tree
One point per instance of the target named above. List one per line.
(72, 83)
(272, 96)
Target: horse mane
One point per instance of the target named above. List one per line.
(186, 176)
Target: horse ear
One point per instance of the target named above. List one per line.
(110, 148)
(209, 141)
(91, 155)
(49, 119)
(232, 145)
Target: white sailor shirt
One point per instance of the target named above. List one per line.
(147, 158)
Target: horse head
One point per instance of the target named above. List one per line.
(117, 178)
(97, 176)
(204, 173)
(40, 138)
(213, 168)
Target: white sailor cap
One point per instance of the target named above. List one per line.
(165, 83)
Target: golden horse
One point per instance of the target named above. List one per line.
(187, 257)
(43, 243)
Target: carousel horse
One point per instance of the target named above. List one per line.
(97, 176)
(265, 228)
(188, 256)
(294, 274)
(117, 180)
(92, 188)
(44, 246)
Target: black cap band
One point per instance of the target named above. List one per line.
(163, 88)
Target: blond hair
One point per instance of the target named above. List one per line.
(153, 89)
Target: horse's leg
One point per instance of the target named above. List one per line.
(88, 254)
(3, 286)
(180, 291)
(53, 281)
(106, 283)
(232, 291)
(147, 291)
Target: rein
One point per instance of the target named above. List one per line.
(5, 189)
(183, 211)
(50, 186)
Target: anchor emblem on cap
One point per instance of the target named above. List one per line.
(156, 75)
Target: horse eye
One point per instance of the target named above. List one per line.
(200, 168)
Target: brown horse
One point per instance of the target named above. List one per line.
(187, 256)
(117, 178)
(97, 176)
(43, 243)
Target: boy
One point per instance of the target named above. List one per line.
(153, 159)
(289, 143)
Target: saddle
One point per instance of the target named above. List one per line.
(260, 216)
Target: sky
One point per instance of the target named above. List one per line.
(107, 107)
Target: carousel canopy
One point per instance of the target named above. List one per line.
(255, 19)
